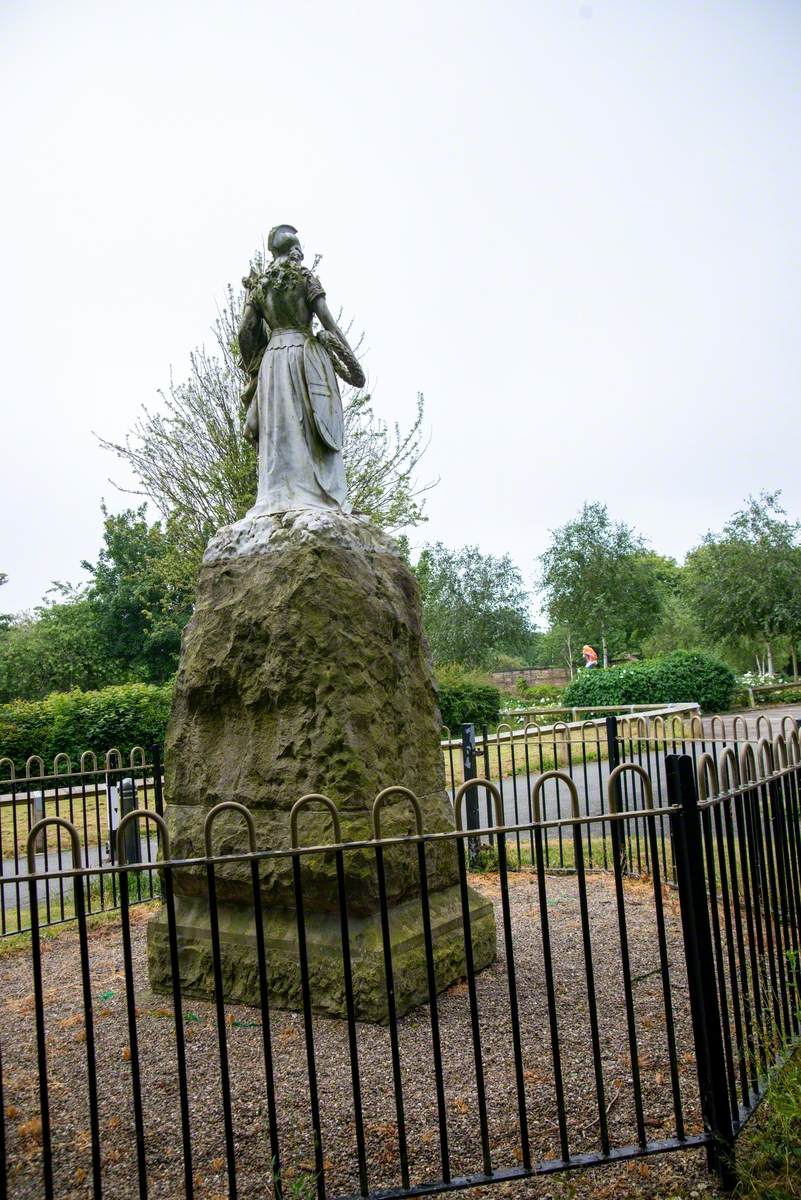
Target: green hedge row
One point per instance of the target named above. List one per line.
(132, 714)
(465, 697)
(136, 714)
(672, 678)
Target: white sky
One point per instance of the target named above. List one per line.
(576, 227)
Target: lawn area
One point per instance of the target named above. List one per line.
(86, 808)
(89, 815)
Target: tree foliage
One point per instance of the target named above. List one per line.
(745, 582)
(475, 606)
(125, 624)
(601, 582)
(139, 609)
(54, 648)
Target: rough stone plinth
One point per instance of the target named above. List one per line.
(304, 669)
(324, 950)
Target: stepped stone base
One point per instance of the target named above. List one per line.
(324, 949)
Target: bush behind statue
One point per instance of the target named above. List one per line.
(136, 714)
(131, 714)
(672, 678)
(466, 696)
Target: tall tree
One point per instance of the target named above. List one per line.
(193, 464)
(745, 582)
(475, 606)
(53, 649)
(600, 581)
(139, 607)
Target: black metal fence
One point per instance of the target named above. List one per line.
(95, 795)
(621, 1017)
(93, 798)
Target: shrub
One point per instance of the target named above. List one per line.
(683, 675)
(543, 694)
(131, 714)
(465, 696)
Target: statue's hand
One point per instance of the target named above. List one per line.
(343, 360)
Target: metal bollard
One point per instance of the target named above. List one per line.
(37, 801)
(133, 846)
(469, 772)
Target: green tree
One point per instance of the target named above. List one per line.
(601, 582)
(744, 583)
(475, 606)
(5, 618)
(678, 628)
(124, 625)
(193, 464)
(139, 607)
(54, 648)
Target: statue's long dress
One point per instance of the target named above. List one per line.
(300, 422)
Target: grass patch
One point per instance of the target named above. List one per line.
(769, 1149)
(562, 856)
(510, 758)
(89, 816)
(99, 904)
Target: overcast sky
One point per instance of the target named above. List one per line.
(576, 227)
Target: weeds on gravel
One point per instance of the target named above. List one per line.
(555, 859)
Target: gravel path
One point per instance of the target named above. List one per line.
(66, 1054)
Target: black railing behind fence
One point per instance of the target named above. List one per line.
(95, 796)
(648, 982)
(93, 799)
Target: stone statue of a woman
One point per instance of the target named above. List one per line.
(294, 407)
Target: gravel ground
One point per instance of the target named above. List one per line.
(663, 1176)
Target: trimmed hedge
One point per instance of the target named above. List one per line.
(672, 678)
(131, 714)
(465, 697)
(136, 714)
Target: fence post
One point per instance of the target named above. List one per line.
(469, 772)
(487, 774)
(618, 832)
(611, 742)
(698, 953)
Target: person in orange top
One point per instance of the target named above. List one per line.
(590, 657)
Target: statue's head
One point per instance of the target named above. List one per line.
(283, 242)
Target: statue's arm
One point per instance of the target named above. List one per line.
(325, 317)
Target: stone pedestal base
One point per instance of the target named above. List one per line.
(304, 669)
(240, 967)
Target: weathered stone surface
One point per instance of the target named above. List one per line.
(326, 975)
(304, 669)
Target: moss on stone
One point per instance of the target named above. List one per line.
(304, 669)
(326, 974)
